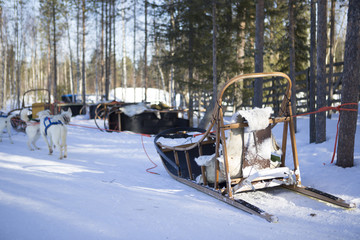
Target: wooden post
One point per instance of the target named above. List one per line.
(226, 163)
(188, 164)
(203, 168)
(177, 162)
(293, 146)
(283, 145)
(217, 151)
(119, 121)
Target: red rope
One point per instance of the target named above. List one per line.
(109, 130)
(155, 165)
(199, 134)
(323, 109)
(339, 109)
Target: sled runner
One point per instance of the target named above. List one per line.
(239, 156)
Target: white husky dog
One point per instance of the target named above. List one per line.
(55, 128)
(32, 128)
(5, 123)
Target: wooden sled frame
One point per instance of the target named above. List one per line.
(20, 125)
(179, 160)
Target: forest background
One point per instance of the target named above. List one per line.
(187, 47)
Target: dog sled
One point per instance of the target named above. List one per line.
(43, 104)
(137, 117)
(240, 156)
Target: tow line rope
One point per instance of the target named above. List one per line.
(339, 109)
(155, 165)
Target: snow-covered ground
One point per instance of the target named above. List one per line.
(102, 191)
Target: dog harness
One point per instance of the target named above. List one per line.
(48, 123)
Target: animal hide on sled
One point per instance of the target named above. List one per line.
(248, 149)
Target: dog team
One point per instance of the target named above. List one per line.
(51, 127)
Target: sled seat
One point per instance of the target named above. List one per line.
(38, 107)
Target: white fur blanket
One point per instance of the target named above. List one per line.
(258, 119)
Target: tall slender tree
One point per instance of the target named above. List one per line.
(54, 50)
(46, 20)
(110, 33)
(66, 15)
(259, 52)
(114, 13)
(78, 73)
(207, 117)
(83, 53)
(107, 81)
(350, 87)
(321, 70)
(97, 53)
(2, 76)
(134, 50)
(312, 70)
(172, 50)
(124, 50)
(145, 51)
(331, 54)
(102, 61)
(214, 92)
(291, 33)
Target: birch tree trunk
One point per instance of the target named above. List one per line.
(157, 57)
(83, 55)
(107, 83)
(97, 57)
(114, 47)
(49, 60)
(55, 57)
(2, 85)
(5, 75)
(102, 70)
(145, 52)
(71, 59)
(134, 52)
(78, 47)
(33, 60)
(124, 87)
(17, 58)
(109, 44)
